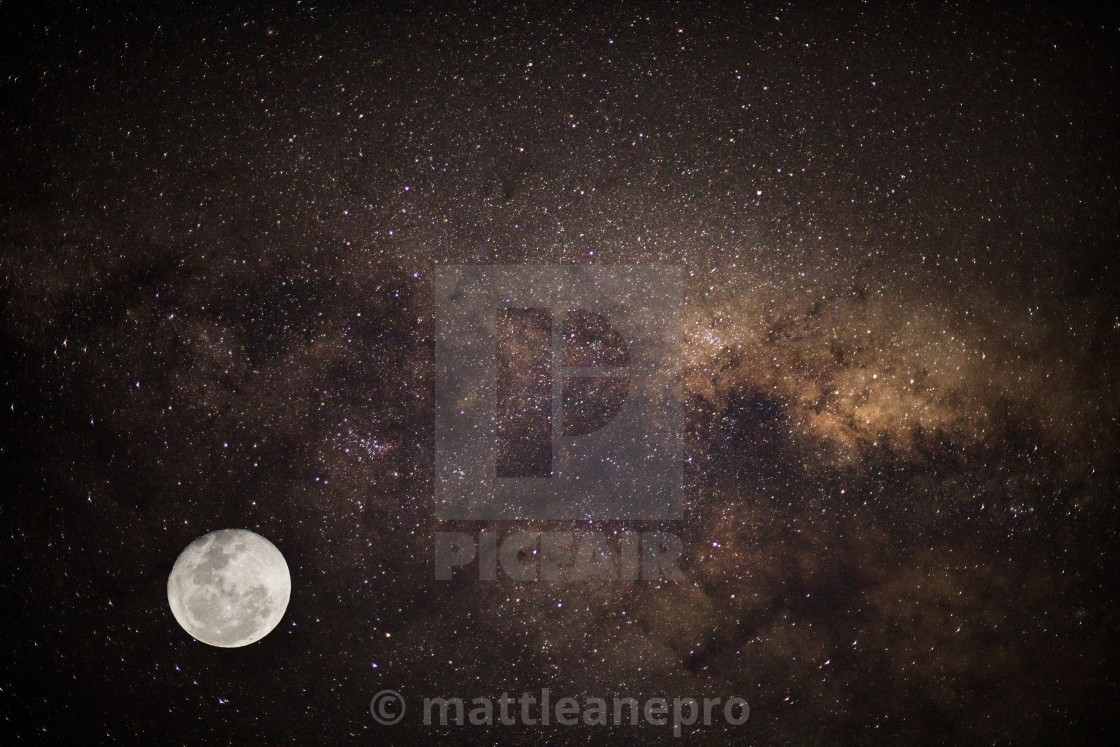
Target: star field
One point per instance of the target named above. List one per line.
(898, 232)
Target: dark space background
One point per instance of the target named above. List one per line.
(899, 226)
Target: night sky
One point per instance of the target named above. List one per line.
(898, 230)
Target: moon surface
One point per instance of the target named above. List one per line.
(229, 588)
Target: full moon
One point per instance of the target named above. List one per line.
(229, 588)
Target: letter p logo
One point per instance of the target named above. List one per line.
(533, 402)
(557, 392)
